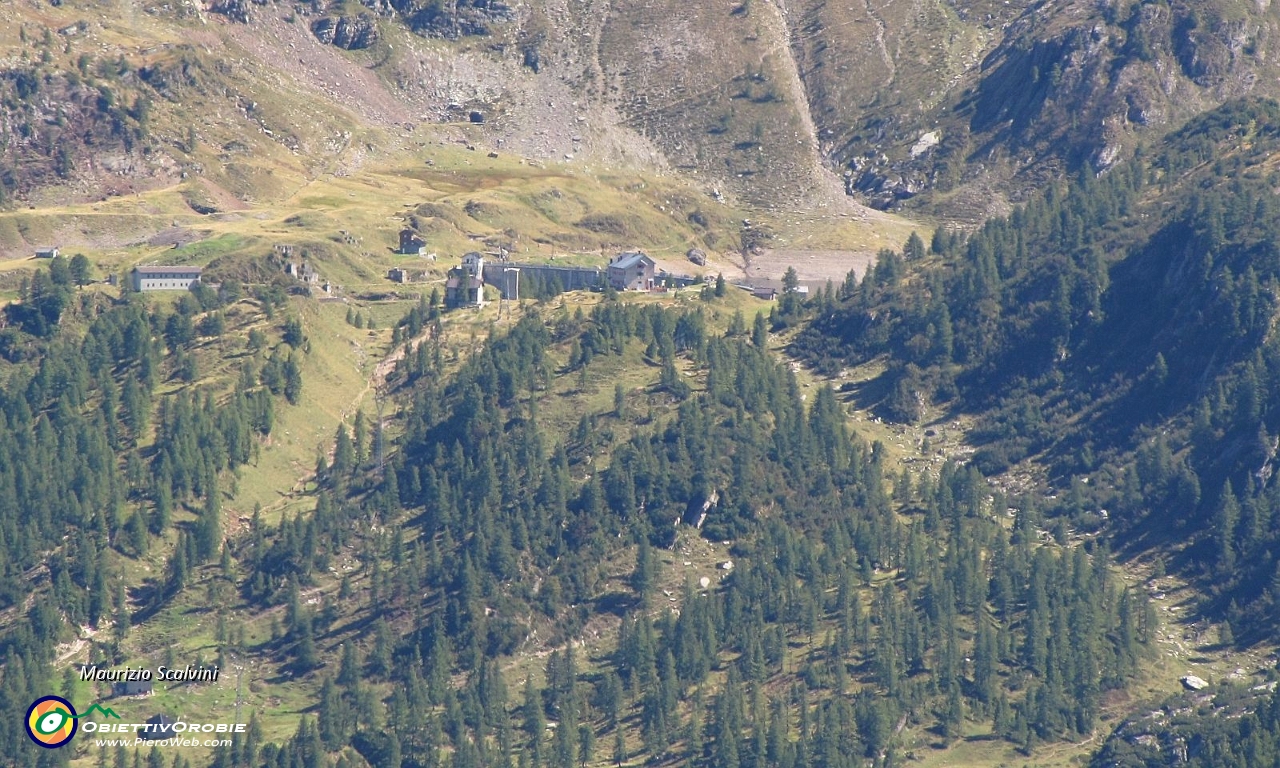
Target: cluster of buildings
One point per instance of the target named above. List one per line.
(632, 271)
(465, 284)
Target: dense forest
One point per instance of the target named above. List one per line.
(107, 448)
(1234, 727)
(858, 603)
(503, 599)
(1117, 330)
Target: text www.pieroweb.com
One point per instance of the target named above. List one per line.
(174, 742)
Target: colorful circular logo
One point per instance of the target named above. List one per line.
(51, 721)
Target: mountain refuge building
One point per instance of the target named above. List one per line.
(631, 272)
(411, 244)
(164, 278)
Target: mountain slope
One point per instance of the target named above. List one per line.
(1118, 333)
(766, 102)
(990, 100)
(203, 477)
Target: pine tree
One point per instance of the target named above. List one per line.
(1224, 531)
(645, 572)
(176, 577)
(586, 743)
(393, 759)
(349, 670)
(80, 269)
(759, 331)
(619, 747)
(328, 719)
(914, 248)
(121, 615)
(343, 453)
(304, 651)
(209, 526)
(292, 380)
(534, 720)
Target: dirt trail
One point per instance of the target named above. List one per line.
(884, 51)
(376, 379)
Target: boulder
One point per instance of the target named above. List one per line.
(349, 32)
(236, 10)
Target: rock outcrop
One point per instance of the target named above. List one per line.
(236, 10)
(349, 32)
(457, 19)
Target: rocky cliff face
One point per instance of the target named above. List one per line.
(455, 18)
(703, 88)
(57, 128)
(970, 96)
(978, 99)
(236, 10)
(959, 105)
(349, 32)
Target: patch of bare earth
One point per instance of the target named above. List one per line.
(812, 267)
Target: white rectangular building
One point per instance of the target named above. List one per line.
(164, 278)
